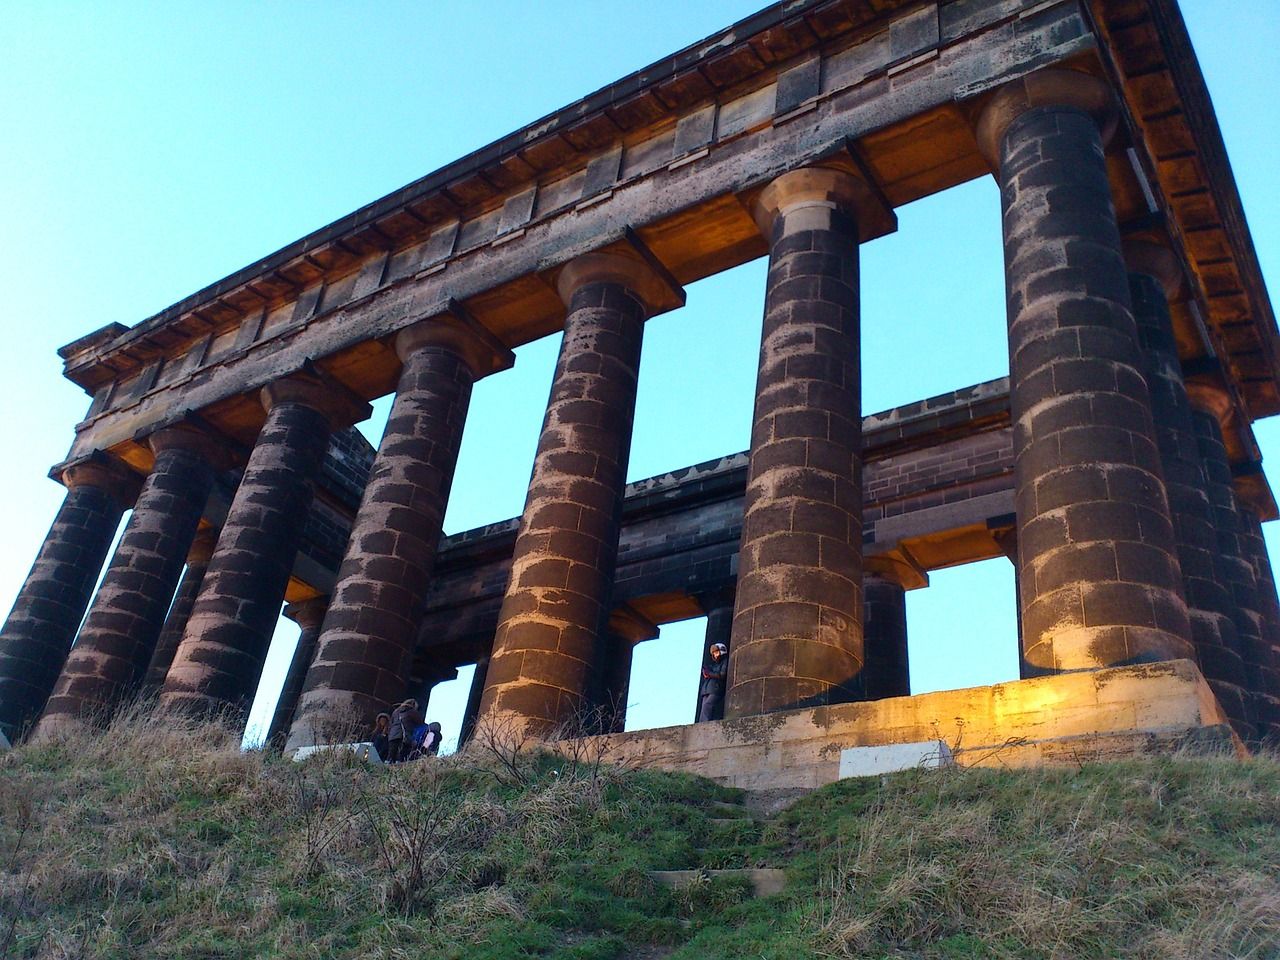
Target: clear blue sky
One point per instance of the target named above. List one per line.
(150, 149)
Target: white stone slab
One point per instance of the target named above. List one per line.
(4, 741)
(892, 757)
(365, 750)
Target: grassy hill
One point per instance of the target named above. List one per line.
(167, 841)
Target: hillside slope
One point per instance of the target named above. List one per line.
(167, 841)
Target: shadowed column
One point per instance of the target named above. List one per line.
(119, 635)
(718, 607)
(175, 624)
(308, 615)
(219, 662)
(1211, 405)
(553, 615)
(625, 629)
(1099, 577)
(471, 713)
(797, 630)
(1154, 280)
(1253, 497)
(367, 642)
(887, 672)
(48, 609)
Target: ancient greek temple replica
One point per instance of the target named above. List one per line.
(1115, 467)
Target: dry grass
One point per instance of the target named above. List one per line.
(164, 839)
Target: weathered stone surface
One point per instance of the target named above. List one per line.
(1105, 714)
(43, 622)
(116, 643)
(553, 616)
(1099, 578)
(308, 615)
(218, 664)
(175, 624)
(366, 645)
(1209, 604)
(797, 631)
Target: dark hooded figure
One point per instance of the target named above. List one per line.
(711, 690)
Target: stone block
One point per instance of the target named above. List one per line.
(892, 757)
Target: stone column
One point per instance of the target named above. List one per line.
(1211, 405)
(52, 601)
(797, 630)
(1006, 539)
(718, 607)
(219, 662)
(175, 624)
(119, 635)
(1099, 577)
(625, 629)
(1155, 279)
(308, 615)
(472, 711)
(1255, 503)
(553, 616)
(367, 641)
(886, 672)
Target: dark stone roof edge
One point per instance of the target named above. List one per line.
(593, 103)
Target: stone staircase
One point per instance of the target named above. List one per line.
(735, 827)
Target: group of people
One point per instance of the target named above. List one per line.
(403, 734)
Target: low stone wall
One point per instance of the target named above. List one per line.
(1067, 718)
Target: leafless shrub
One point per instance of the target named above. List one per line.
(501, 747)
(320, 807)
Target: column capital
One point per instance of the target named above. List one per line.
(202, 546)
(103, 470)
(833, 187)
(314, 388)
(1252, 490)
(458, 331)
(1208, 391)
(308, 614)
(628, 263)
(186, 435)
(1053, 87)
(896, 567)
(625, 622)
(1152, 255)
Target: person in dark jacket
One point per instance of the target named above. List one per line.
(711, 690)
(431, 742)
(381, 729)
(403, 719)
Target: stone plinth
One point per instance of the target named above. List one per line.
(1067, 718)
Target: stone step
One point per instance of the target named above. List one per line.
(765, 881)
(731, 821)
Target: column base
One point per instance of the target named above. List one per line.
(1063, 719)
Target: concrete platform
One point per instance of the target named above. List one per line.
(1064, 719)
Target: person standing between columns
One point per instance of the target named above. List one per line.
(1155, 279)
(175, 624)
(308, 615)
(711, 689)
(367, 641)
(551, 626)
(1099, 575)
(718, 606)
(40, 628)
(119, 636)
(219, 662)
(797, 628)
